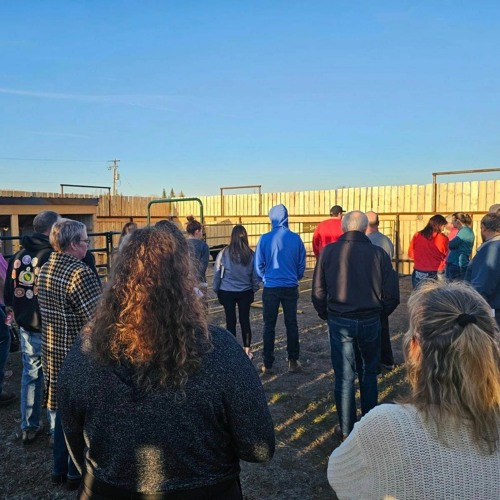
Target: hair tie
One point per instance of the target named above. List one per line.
(465, 319)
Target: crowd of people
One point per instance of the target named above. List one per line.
(145, 399)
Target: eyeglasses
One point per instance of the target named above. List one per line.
(85, 241)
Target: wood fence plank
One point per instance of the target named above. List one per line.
(428, 198)
(490, 194)
(459, 197)
(474, 196)
(466, 201)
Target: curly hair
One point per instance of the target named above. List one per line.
(149, 317)
(453, 360)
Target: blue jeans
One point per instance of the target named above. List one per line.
(418, 276)
(355, 348)
(63, 465)
(386, 355)
(271, 300)
(4, 344)
(32, 379)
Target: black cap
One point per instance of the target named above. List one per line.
(336, 209)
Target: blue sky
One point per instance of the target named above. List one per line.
(291, 95)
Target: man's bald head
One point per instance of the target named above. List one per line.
(373, 222)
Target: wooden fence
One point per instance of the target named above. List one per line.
(469, 196)
(403, 210)
(475, 196)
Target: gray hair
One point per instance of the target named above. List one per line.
(355, 221)
(44, 221)
(64, 232)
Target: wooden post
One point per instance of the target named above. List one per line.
(14, 231)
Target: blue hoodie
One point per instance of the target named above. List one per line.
(280, 256)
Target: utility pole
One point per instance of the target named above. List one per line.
(116, 175)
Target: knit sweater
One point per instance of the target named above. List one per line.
(165, 439)
(393, 453)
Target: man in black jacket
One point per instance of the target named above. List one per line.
(21, 294)
(353, 283)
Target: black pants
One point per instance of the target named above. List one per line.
(386, 356)
(229, 300)
(272, 298)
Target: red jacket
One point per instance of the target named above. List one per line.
(428, 255)
(328, 231)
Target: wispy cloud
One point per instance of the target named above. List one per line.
(158, 102)
(16, 43)
(60, 134)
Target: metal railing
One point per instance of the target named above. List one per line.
(105, 251)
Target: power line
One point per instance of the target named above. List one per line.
(51, 159)
(116, 175)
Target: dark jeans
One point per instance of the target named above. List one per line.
(386, 356)
(63, 465)
(455, 273)
(418, 276)
(271, 300)
(243, 299)
(355, 347)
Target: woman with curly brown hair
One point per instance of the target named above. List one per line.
(443, 441)
(167, 404)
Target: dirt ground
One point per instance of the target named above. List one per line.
(301, 404)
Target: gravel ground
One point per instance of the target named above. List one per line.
(302, 406)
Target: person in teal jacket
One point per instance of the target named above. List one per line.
(460, 247)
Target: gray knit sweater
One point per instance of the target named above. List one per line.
(161, 441)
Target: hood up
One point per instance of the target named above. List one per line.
(278, 216)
